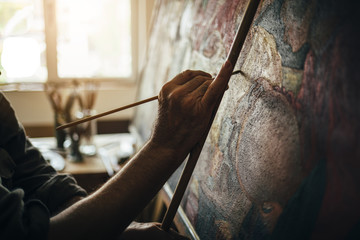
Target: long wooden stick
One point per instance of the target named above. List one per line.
(86, 119)
(195, 152)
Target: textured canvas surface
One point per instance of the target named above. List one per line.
(282, 159)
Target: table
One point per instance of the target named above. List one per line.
(93, 171)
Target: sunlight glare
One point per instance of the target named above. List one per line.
(20, 57)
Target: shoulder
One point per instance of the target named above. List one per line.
(9, 125)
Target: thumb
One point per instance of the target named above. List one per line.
(219, 85)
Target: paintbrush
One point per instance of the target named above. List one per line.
(86, 119)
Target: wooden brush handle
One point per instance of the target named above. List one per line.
(86, 119)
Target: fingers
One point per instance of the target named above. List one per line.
(185, 76)
(219, 85)
(199, 84)
(183, 83)
(223, 77)
(201, 89)
(196, 82)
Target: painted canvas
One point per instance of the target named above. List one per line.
(282, 160)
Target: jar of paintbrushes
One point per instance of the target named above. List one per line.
(89, 94)
(79, 103)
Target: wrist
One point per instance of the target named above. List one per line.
(169, 150)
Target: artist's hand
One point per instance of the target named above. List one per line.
(139, 231)
(186, 105)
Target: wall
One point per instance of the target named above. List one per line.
(33, 108)
(282, 157)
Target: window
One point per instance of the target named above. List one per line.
(44, 40)
(22, 41)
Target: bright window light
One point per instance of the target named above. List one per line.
(22, 41)
(20, 57)
(94, 38)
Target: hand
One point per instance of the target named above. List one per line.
(186, 105)
(149, 231)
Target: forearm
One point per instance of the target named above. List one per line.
(107, 212)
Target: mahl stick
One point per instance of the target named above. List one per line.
(195, 152)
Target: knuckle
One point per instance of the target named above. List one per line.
(166, 88)
(165, 92)
(174, 96)
(187, 72)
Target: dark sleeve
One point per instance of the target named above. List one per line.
(19, 220)
(34, 189)
(40, 181)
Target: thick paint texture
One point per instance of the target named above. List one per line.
(282, 159)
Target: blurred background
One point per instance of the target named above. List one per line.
(66, 43)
